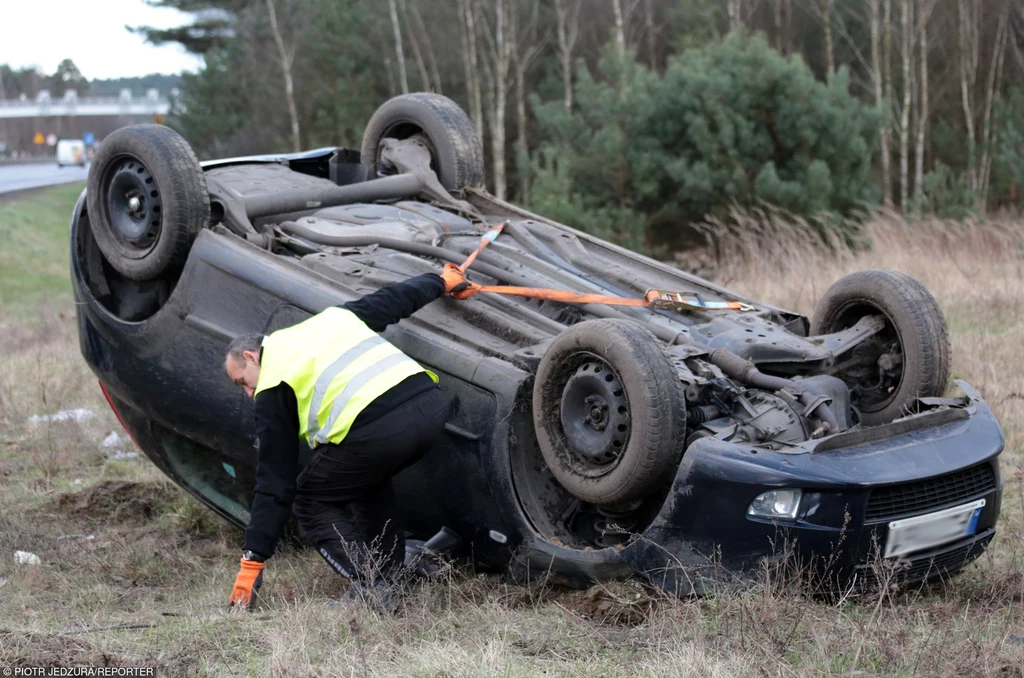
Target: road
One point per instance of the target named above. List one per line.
(21, 177)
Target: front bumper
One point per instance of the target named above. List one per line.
(851, 494)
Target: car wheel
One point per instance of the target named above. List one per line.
(455, 151)
(908, 359)
(147, 200)
(608, 411)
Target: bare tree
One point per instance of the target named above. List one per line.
(923, 14)
(853, 41)
(467, 65)
(979, 146)
(880, 102)
(651, 34)
(391, 76)
(779, 43)
(620, 29)
(567, 25)
(784, 26)
(287, 57)
(741, 12)
(907, 53)
(496, 69)
(422, 28)
(403, 80)
(887, 70)
(826, 21)
(969, 56)
(734, 8)
(527, 47)
(995, 77)
(467, 21)
(417, 53)
(1013, 44)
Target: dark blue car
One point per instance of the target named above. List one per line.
(691, 440)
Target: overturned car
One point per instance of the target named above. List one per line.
(689, 441)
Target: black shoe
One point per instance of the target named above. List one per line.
(419, 561)
(424, 558)
(381, 595)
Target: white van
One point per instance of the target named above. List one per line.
(70, 152)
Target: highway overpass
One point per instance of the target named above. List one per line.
(71, 105)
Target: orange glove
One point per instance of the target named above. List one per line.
(455, 283)
(247, 583)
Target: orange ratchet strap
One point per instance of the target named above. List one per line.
(654, 299)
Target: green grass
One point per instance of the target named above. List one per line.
(35, 231)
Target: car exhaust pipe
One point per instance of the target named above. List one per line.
(386, 188)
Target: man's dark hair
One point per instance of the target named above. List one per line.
(243, 343)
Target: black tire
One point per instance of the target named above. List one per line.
(633, 450)
(154, 166)
(456, 154)
(915, 327)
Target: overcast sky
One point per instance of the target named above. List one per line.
(92, 33)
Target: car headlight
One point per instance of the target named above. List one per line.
(776, 504)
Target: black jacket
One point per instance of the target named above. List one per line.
(277, 416)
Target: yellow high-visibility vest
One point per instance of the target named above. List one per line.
(337, 366)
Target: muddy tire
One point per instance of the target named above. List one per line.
(609, 412)
(909, 359)
(147, 200)
(456, 154)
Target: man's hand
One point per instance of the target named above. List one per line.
(455, 283)
(247, 583)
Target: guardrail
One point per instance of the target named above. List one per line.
(33, 160)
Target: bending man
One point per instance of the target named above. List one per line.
(365, 408)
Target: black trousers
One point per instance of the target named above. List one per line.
(346, 503)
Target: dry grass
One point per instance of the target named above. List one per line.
(149, 588)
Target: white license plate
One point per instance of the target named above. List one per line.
(933, 529)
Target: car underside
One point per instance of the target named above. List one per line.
(688, 442)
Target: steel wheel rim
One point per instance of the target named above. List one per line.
(595, 417)
(133, 204)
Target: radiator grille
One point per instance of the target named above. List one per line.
(919, 568)
(901, 501)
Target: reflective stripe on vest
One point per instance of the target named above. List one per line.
(352, 387)
(336, 366)
(328, 375)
